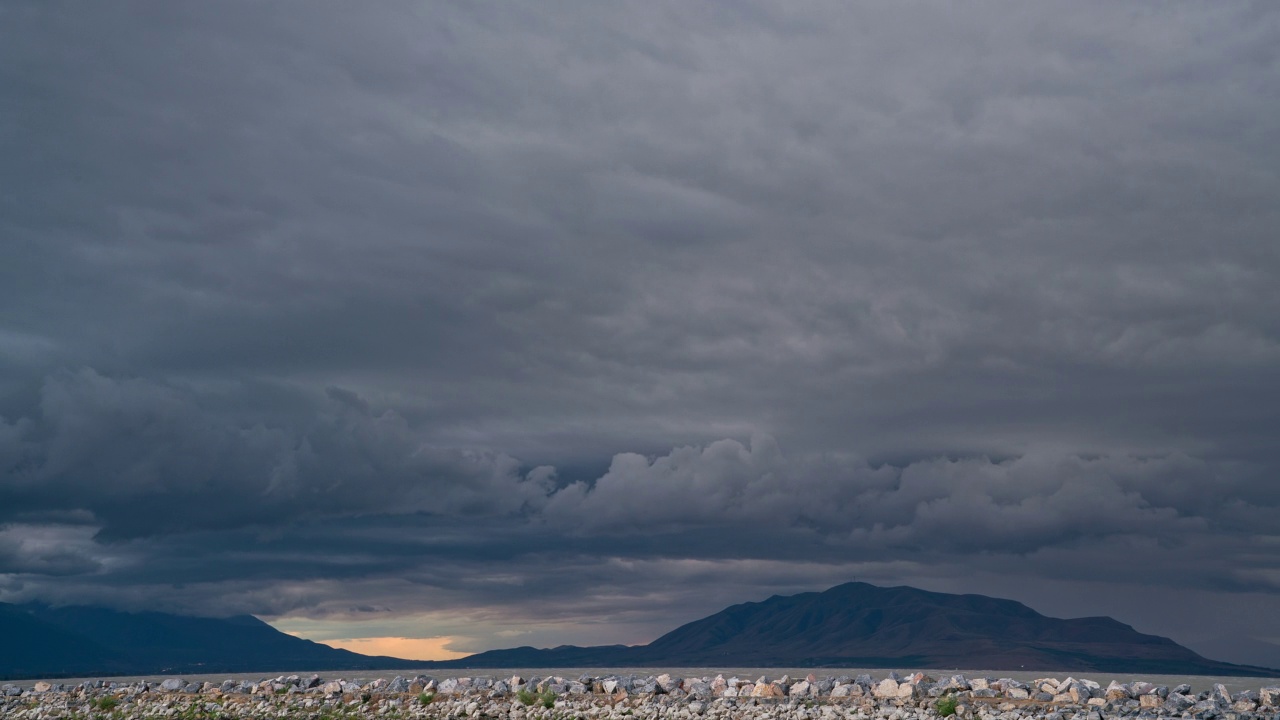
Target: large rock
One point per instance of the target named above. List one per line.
(1078, 693)
(1269, 696)
(448, 686)
(956, 682)
(698, 689)
(800, 689)
(398, 685)
(887, 688)
(1150, 701)
(1117, 691)
(173, 685)
(1177, 702)
(767, 690)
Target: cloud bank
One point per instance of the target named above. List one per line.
(571, 324)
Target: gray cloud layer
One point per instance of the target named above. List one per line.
(600, 317)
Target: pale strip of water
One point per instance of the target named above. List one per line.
(1197, 682)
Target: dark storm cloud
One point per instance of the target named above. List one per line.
(615, 315)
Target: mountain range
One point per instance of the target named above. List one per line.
(850, 625)
(862, 625)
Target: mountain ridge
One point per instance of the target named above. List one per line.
(851, 625)
(68, 641)
(862, 625)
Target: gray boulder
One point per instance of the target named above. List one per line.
(173, 685)
(1176, 702)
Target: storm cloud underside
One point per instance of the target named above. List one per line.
(573, 322)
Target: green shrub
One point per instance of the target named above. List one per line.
(427, 698)
(526, 697)
(106, 703)
(946, 705)
(548, 699)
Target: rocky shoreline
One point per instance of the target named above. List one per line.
(633, 697)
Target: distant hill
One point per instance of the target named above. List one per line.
(41, 641)
(861, 625)
(852, 625)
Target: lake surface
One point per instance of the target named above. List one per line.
(1197, 682)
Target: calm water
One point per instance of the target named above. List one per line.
(1197, 682)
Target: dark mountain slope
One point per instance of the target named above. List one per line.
(51, 642)
(35, 648)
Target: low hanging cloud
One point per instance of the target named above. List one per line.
(147, 458)
(144, 464)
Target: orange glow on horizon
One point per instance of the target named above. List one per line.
(399, 647)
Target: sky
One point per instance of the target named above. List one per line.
(430, 327)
